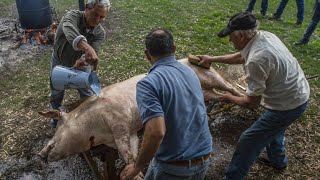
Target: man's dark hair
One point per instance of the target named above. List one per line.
(159, 42)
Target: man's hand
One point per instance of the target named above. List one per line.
(129, 171)
(91, 56)
(227, 97)
(80, 62)
(205, 60)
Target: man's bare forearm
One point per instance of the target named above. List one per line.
(235, 58)
(152, 138)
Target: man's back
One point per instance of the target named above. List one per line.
(274, 73)
(173, 91)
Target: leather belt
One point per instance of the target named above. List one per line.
(191, 162)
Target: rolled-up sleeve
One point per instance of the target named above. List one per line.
(256, 76)
(148, 101)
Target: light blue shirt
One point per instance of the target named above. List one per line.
(173, 91)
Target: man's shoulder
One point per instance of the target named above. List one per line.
(99, 30)
(74, 13)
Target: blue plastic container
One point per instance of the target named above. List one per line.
(69, 78)
(34, 14)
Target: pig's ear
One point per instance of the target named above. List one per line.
(54, 114)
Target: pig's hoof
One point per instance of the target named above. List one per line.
(140, 176)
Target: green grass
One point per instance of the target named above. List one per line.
(194, 24)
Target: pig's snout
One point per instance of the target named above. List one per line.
(43, 157)
(45, 152)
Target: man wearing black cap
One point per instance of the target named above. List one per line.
(275, 80)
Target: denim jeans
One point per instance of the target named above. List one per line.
(264, 6)
(314, 21)
(300, 7)
(268, 131)
(56, 96)
(158, 170)
(81, 5)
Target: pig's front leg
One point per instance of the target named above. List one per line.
(134, 145)
(121, 134)
(211, 95)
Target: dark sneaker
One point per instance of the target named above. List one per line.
(263, 13)
(298, 24)
(54, 123)
(301, 42)
(265, 161)
(275, 18)
(249, 11)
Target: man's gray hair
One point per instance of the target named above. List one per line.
(101, 3)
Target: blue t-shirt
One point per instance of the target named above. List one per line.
(173, 91)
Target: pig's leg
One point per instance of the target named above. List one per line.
(122, 139)
(232, 90)
(211, 95)
(225, 86)
(134, 142)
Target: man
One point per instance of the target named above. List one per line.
(173, 113)
(300, 14)
(312, 25)
(275, 80)
(264, 6)
(79, 34)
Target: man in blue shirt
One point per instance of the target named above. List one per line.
(173, 113)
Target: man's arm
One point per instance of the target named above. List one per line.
(79, 42)
(244, 101)
(153, 134)
(235, 58)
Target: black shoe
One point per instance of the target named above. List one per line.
(54, 123)
(263, 13)
(275, 18)
(265, 161)
(298, 24)
(249, 11)
(301, 42)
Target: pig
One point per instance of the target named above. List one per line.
(211, 80)
(113, 119)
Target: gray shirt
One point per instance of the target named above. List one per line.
(71, 27)
(273, 73)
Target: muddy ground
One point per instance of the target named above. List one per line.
(24, 133)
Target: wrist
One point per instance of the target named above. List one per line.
(138, 166)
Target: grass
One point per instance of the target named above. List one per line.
(194, 25)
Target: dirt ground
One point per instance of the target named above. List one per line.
(25, 132)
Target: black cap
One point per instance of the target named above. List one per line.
(240, 21)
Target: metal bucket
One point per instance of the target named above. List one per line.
(69, 78)
(34, 14)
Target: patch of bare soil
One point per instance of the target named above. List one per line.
(12, 50)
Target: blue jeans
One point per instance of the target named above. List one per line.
(268, 131)
(314, 21)
(56, 96)
(264, 6)
(300, 7)
(158, 170)
(81, 5)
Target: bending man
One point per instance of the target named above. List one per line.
(275, 80)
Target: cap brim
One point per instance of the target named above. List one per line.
(225, 32)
